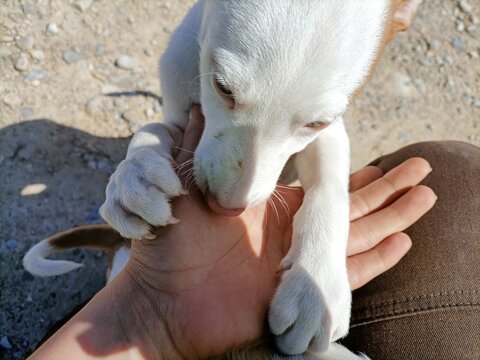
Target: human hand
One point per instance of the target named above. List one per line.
(210, 279)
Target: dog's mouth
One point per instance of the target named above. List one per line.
(215, 206)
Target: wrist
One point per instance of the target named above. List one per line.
(141, 317)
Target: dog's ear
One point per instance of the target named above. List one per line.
(403, 13)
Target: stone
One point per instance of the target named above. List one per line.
(27, 112)
(71, 56)
(457, 43)
(24, 42)
(403, 84)
(5, 52)
(93, 106)
(465, 6)
(99, 49)
(36, 75)
(149, 52)
(125, 62)
(38, 55)
(12, 100)
(82, 5)
(22, 62)
(11, 244)
(5, 342)
(434, 44)
(33, 189)
(52, 29)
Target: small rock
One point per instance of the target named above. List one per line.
(148, 52)
(125, 62)
(33, 189)
(12, 100)
(52, 29)
(99, 49)
(11, 244)
(5, 52)
(457, 43)
(22, 62)
(468, 100)
(36, 75)
(471, 29)
(27, 112)
(5, 343)
(434, 44)
(6, 39)
(460, 26)
(465, 6)
(71, 56)
(149, 113)
(425, 62)
(157, 107)
(28, 8)
(403, 84)
(131, 116)
(110, 88)
(35, 82)
(82, 5)
(38, 55)
(93, 106)
(476, 103)
(24, 42)
(473, 55)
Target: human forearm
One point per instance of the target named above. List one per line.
(111, 326)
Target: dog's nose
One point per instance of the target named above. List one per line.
(215, 206)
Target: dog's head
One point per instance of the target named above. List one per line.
(274, 73)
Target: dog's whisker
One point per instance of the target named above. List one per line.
(184, 165)
(274, 207)
(282, 201)
(182, 149)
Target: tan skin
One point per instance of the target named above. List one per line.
(204, 286)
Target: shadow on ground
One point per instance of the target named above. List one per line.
(52, 178)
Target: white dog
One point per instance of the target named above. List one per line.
(274, 78)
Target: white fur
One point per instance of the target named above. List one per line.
(288, 63)
(36, 263)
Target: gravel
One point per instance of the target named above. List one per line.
(458, 44)
(71, 56)
(126, 62)
(22, 62)
(52, 29)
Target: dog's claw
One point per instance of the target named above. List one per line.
(150, 237)
(172, 221)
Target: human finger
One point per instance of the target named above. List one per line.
(364, 267)
(368, 231)
(389, 187)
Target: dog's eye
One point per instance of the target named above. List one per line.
(224, 91)
(317, 125)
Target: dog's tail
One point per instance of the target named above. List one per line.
(91, 236)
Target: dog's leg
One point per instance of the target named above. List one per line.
(139, 191)
(311, 307)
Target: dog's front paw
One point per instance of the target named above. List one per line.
(138, 194)
(308, 313)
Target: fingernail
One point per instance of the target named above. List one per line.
(150, 237)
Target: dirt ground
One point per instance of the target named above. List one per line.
(61, 135)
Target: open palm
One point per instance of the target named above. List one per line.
(212, 278)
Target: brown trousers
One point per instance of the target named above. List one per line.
(428, 305)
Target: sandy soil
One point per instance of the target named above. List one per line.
(61, 136)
